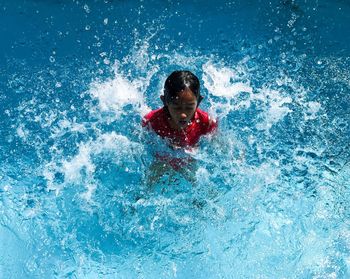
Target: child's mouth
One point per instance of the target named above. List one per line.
(183, 122)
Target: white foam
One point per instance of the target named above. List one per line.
(237, 94)
(275, 107)
(22, 132)
(115, 94)
(48, 173)
(106, 142)
(83, 160)
(7, 188)
(312, 108)
(72, 168)
(315, 257)
(89, 192)
(65, 125)
(223, 82)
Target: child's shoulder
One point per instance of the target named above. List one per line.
(202, 115)
(152, 116)
(206, 120)
(153, 113)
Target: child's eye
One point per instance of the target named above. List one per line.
(178, 108)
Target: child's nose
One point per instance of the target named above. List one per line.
(183, 115)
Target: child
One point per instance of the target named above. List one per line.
(180, 121)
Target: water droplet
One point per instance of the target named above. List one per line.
(106, 61)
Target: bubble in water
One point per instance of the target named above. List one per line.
(52, 59)
(87, 8)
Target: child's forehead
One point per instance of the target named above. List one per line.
(183, 98)
(185, 93)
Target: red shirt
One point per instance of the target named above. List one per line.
(201, 124)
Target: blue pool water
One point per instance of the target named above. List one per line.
(267, 197)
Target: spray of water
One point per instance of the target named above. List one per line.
(262, 191)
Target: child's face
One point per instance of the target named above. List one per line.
(182, 108)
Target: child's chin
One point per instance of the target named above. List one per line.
(182, 125)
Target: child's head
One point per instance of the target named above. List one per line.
(179, 81)
(181, 97)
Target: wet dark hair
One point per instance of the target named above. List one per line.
(178, 81)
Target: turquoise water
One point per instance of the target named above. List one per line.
(267, 197)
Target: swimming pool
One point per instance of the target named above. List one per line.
(269, 195)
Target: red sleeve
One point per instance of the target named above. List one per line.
(146, 119)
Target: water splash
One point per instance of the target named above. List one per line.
(269, 191)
